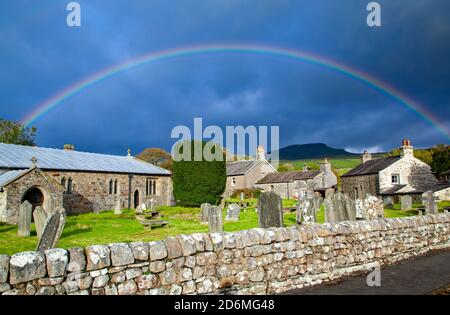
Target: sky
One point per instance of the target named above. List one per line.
(40, 56)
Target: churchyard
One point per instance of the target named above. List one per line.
(106, 227)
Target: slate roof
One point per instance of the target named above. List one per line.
(240, 167)
(400, 189)
(372, 166)
(9, 176)
(19, 157)
(285, 177)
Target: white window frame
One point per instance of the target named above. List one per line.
(397, 176)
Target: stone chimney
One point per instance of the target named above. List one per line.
(406, 149)
(69, 147)
(366, 157)
(325, 167)
(260, 153)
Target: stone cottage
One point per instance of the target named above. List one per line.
(78, 181)
(391, 176)
(244, 174)
(300, 184)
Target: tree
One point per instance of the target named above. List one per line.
(198, 181)
(425, 155)
(14, 133)
(441, 160)
(156, 156)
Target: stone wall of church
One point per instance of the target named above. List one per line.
(357, 186)
(91, 190)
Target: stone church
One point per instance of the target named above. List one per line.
(392, 176)
(79, 181)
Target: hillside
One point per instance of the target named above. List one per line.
(313, 151)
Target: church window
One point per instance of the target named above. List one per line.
(111, 187)
(69, 185)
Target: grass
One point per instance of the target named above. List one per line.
(106, 227)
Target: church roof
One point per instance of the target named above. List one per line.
(285, 177)
(19, 157)
(9, 176)
(372, 166)
(240, 167)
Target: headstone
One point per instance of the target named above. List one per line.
(204, 209)
(40, 217)
(329, 192)
(359, 206)
(215, 219)
(96, 207)
(24, 221)
(270, 210)
(406, 202)
(373, 208)
(339, 207)
(429, 201)
(53, 229)
(306, 211)
(233, 211)
(139, 210)
(152, 204)
(317, 201)
(389, 202)
(118, 206)
(242, 196)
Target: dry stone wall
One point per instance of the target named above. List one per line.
(256, 261)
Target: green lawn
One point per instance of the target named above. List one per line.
(106, 227)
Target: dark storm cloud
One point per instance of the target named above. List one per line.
(138, 108)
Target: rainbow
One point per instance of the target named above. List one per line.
(104, 74)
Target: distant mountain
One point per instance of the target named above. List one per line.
(313, 151)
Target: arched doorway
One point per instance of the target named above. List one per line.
(136, 199)
(35, 197)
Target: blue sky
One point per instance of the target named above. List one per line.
(40, 56)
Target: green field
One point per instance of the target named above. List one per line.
(106, 227)
(342, 165)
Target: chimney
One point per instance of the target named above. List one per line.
(366, 157)
(69, 147)
(260, 153)
(406, 149)
(325, 167)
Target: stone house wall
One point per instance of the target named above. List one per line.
(444, 194)
(256, 261)
(412, 172)
(90, 190)
(357, 186)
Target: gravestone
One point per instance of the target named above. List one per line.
(270, 210)
(339, 207)
(152, 204)
(40, 217)
(24, 221)
(52, 230)
(429, 201)
(317, 201)
(242, 196)
(233, 211)
(359, 206)
(329, 192)
(389, 202)
(406, 202)
(96, 207)
(139, 210)
(118, 206)
(215, 219)
(373, 208)
(306, 211)
(204, 209)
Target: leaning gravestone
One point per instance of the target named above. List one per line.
(270, 210)
(373, 208)
(204, 210)
(406, 202)
(389, 202)
(215, 219)
(24, 221)
(233, 211)
(40, 217)
(339, 207)
(306, 211)
(52, 230)
(429, 201)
